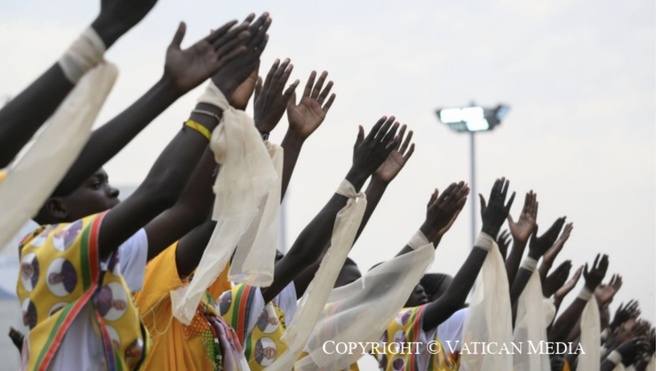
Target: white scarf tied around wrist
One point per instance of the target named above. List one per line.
(37, 171)
(531, 324)
(247, 199)
(313, 301)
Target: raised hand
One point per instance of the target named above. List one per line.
(119, 16)
(190, 67)
(595, 276)
(550, 256)
(442, 231)
(235, 72)
(440, 210)
(605, 293)
(239, 100)
(633, 349)
(570, 284)
(522, 229)
(305, 117)
(370, 152)
(496, 211)
(624, 314)
(503, 242)
(556, 279)
(397, 158)
(540, 245)
(270, 99)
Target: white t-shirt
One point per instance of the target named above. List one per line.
(451, 330)
(81, 348)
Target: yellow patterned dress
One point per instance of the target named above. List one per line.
(60, 274)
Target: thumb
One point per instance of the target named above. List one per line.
(257, 88)
(360, 136)
(291, 104)
(178, 36)
(482, 201)
(536, 229)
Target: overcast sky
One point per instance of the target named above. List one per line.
(579, 76)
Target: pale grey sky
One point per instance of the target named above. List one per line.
(579, 76)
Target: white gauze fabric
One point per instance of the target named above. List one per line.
(590, 337)
(34, 176)
(489, 316)
(651, 365)
(243, 208)
(85, 53)
(313, 301)
(362, 310)
(531, 327)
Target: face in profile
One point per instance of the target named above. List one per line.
(417, 298)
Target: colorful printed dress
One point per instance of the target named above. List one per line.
(259, 327)
(406, 328)
(61, 281)
(207, 344)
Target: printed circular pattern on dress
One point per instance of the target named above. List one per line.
(29, 271)
(65, 237)
(43, 236)
(398, 363)
(403, 317)
(114, 336)
(29, 312)
(265, 351)
(399, 339)
(267, 321)
(56, 308)
(61, 277)
(112, 301)
(134, 352)
(225, 302)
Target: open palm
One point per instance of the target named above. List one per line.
(307, 116)
(397, 158)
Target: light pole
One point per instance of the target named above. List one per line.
(472, 119)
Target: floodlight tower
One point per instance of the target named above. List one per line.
(472, 119)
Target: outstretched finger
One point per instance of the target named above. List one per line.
(291, 90)
(258, 87)
(223, 30)
(482, 202)
(325, 92)
(434, 196)
(360, 136)
(406, 142)
(271, 74)
(384, 129)
(376, 128)
(310, 83)
(319, 83)
(508, 205)
(284, 77)
(328, 104)
(410, 151)
(178, 36)
(389, 137)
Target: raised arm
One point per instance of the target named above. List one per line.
(549, 257)
(537, 247)
(378, 184)
(493, 216)
(304, 118)
(168, 176)
(567, 287)
(184, 70)
(19, 119)
(520, 231)
(368, 154)
(556, 279)
(564, 324)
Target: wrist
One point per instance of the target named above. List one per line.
(292, 141)
(484, 241)
(534, 255)
(427, 230)
(586, 293)
(490, 231)
(166, 88)
(529, 263)
(106, 32)
(357, 177)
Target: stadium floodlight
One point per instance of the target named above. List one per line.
(472, 119)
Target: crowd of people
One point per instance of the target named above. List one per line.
(184, 274)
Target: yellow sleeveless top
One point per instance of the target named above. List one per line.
(406, 327)
(60, 273)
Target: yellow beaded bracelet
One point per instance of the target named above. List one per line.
(199, 128)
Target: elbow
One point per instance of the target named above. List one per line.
(161, 198)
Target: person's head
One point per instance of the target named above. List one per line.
(435, 284)
(417, 297)
(95, 195)
(349, 273)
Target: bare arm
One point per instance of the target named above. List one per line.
(493, 215)
(369, 153)
(520, 231)
(174, 166)
(19, 119)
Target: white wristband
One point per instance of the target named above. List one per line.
(615, 357)
(418, 240)
(85, 53)
(529, 264)
(585, 294)
(484, 241)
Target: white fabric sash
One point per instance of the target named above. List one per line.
(590, 337)
(361, 311)
(313, 300)
(489, 316)
(36, 174)
(247, 199)
(531, 327)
